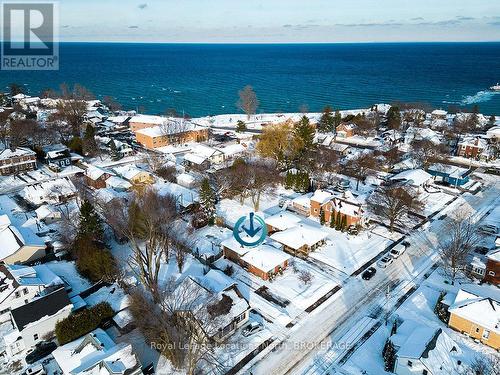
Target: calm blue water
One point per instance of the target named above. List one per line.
(205, 79)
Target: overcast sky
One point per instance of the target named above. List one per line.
(287, 21)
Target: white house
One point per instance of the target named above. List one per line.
(413, 177)
(97, 353)
(35, 320)
(424, 350)
(55, 191)
(20, 285)
(18, 243)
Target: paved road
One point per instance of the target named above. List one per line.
(304, 340)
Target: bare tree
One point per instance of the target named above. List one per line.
(393, 203)
(248, 101)
(158, 165)
(4, 126)
(72, 107)
(484, 364)
(461, 238)
(148, 221)
(426, 152)
(111, 103)
(305, 277)
(361, 167)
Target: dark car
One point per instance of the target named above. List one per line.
(41, 350)
(369, 273)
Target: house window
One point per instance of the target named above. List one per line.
(424, 372)
(25, 290)
(4, 311)
(410, 363)
(491, 273)
(18, 294)
(477, 329)
(35, 336)
(486, 334)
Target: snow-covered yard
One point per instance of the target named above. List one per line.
(348, 253)
(67, 271)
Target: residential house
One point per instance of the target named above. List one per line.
(202, 157)
(53, 192)
(17, 161)
(281, 221)
(20, 285)
(493, 133)
(477, 314)
(263, 261)
(301, 204)
(234, 151)
(18, 243)
(346, 130)
(118, 184)
(36, 320)
(439, 114)
(340, 149)
(171, 133)
(417, 178)
(186, 180)
(492, 273)
(215, 310)
(185, 197)
(300, 239)
(96, 177)
(48, 214)
(425, 350)
(450, 174)
(472, 147)
(57, 156)
(337, 203)
(134, 175)
(96, 352)
(139, 122)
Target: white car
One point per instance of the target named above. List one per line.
(385, 261)
(397, 251)
(252, 328)
(35, 370)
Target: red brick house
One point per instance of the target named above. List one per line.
(471, 147)
(96, 177)
(344, 204)
(17, 161)
(346, 130)
(492, 274)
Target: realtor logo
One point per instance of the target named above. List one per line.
(30, 36)
(255, 229)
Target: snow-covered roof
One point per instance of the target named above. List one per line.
(128, 171)
(439, 112)
(168, 128)
(49, 191)
(95, 173)
(451, 170)
(484, 311)
(299, 236)
(303, 200)
(11, 238)
(195, 158)
(148, 119)
(39, 275)
(19, 151)
(96, 353)
(493, 132)
(266, 258)
(416, 177)
(283, 220)
(432, 346)
(118, 183)
(235, 246)
(231, 150)
(185, 197)
(185, 179)
(321, 196)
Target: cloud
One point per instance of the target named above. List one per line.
(287, 25)
(370, 24)
(441, 23)
(463, 18)
(417, 19)
(494, 23)
(133, 27)
(142, 6)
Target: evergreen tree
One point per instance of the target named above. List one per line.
(389, 354)
(207, 201)
(115, 154)
(90, 222)
(338, 224)
(332, 219)
(394, 118)
(304, 133)
(241, 126)
(322, 219)
(344, 223)
(90, 147)
(394, 329)
(337, 119)
(326, 122)
(289, 180)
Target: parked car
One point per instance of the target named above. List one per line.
(41, 350)
(369, 273)
(385, 261)
(35, 370)
(252, 328)
(397, 250)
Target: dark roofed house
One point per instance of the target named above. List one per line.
(35, 320)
